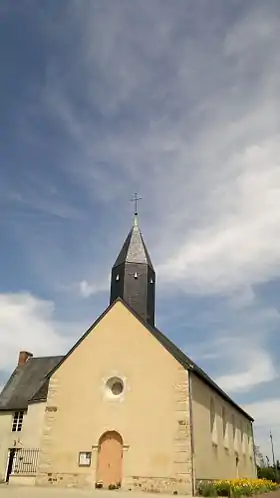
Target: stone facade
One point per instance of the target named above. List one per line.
(44, 463)
(157, 447)
(183, 465)
(157, 485)
(65, 480)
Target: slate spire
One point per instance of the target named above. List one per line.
(133, 275)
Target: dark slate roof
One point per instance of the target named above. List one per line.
(181, 357)
(28, 383)
(134, 249)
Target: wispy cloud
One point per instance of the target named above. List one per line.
(209, 148)
(180, 102)
(239, 350)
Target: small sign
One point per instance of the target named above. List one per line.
(84, 459)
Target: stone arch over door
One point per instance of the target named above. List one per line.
(110, 457)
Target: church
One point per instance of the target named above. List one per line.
(125, 407)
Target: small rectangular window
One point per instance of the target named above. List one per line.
(17, 422)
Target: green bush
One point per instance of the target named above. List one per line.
(207, 488)
(268, 473)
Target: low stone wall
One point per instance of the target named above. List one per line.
(65, 480)
(168, 485)
(176, 485)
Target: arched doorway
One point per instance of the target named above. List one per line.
(109, 463)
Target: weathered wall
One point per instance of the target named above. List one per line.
(29, 437)
(6, 441)
(152, 414)
(215, 458)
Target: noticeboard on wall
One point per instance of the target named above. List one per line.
(84, 459)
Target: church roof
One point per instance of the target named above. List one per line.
(134, 249)
(28, 383)
(181, 357)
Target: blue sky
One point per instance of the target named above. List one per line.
(176, 100)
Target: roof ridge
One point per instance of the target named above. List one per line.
(46, 357)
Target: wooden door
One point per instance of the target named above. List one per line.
(109, 464)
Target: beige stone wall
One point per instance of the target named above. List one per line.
(29, 437)
(152, 414)
(214, 454)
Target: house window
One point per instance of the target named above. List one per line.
(17, 422)
(225, 427)
(213, 422)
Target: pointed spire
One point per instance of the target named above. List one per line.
(134, 249)
(133, 276)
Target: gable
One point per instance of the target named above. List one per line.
(117, 335)
(168, 345)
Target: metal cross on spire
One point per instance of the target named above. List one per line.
(135, 198)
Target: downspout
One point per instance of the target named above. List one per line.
(191, 431)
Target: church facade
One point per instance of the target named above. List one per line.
(124, 407)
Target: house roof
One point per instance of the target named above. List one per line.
(28, 383)
(134, 249)
(181, 357)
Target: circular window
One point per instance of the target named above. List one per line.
(114, 386)
(117, 388)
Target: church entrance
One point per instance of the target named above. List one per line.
(109, 463)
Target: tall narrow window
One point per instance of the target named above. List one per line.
(250, 439)
(17, 422)
(243, 440)
(225, 427)
(213, 422)
(234, 438)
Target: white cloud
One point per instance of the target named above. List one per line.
(88, 289)
(27, 323)
(252, 366)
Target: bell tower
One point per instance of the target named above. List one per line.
(133, 276)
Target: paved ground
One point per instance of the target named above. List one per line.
(38, 492)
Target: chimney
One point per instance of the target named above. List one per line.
(24, 357)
